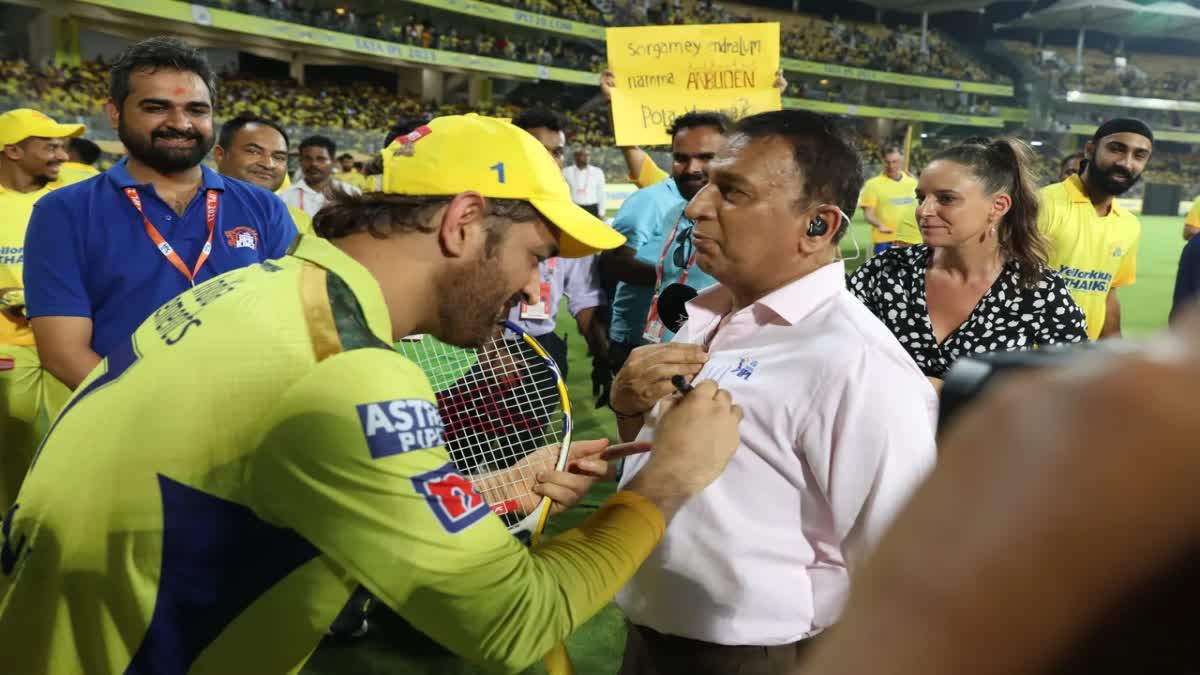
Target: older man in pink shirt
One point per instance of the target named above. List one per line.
(760, 561)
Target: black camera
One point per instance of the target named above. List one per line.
(970, 376)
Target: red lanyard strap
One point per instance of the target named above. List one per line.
(210, 216)
(662, 259)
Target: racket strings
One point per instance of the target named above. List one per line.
(498, 405)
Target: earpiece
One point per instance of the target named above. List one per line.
(817, 228)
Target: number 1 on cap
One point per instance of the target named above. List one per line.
(499, 169)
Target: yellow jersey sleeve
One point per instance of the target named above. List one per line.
(352, 459)
(1193, 214)
(649, 174)
(1048, 202)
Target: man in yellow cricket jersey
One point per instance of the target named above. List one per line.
(1093, 240)
(1191, 223)
(889, 203)
(32, 151)
(221, 482)
(348, 174)
(255, 150)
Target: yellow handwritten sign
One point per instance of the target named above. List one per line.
(666, 71)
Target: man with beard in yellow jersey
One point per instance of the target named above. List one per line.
(299, 455)
(889, 203)
(32, 151)
(1093, 240)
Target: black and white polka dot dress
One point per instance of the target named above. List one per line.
(1009, 317)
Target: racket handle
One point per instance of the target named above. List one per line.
(625, 450)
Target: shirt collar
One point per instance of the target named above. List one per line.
(119, 173)
(789, 304)
(903, 175)
(305, 187)
(35, 193)
(366, 289)
(672, 187)
(1079, 195)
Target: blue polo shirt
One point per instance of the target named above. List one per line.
(642, 219)
(87, 253)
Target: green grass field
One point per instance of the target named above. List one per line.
(597, 646)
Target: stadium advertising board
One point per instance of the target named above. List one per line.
(849, 73)
(518, 17)
(1132, 102)
(891, 113)
(291, 32)
(1175, 136)
(666, 71)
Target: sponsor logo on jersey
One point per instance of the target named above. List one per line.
(403, 425)
(1085, 280)
(242, 237)
(451, 497)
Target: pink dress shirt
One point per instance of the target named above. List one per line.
(838, 431)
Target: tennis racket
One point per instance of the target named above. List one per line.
(506, 417)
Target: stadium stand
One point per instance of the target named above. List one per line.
(499, 40)
(337, 110)
(803, 36)
(1143, 75)
(326, 108)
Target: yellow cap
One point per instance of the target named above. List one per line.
(464, 153)
(17, 125)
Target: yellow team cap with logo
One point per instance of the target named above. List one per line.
(17, 125)
(464, 153)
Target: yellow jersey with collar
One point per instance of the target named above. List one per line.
(1093, 253)
(214, 490)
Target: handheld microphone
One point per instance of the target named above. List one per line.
(671, 305)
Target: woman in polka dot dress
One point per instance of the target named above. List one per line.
(980, 282)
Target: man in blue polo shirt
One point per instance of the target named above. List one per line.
(103, 254)
(643, 219)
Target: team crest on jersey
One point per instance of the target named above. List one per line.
(451, 497)
(242, 237)
(1117, 251)
(400, 426)
(745, 367)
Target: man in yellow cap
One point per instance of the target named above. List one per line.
(300, 455)
(32, 151)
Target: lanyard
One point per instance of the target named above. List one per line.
(654, 329)
(210, 215)
(662, 260)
